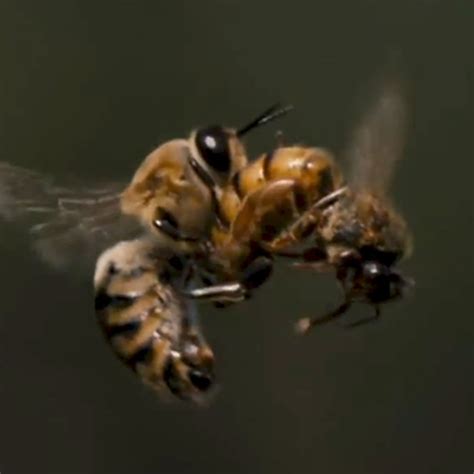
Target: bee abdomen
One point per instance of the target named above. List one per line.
(104, 301)
(186, 381)
(147, 324)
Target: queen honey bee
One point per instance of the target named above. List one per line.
(168, 208)
(297, 196)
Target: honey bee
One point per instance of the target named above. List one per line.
(164, 213)
(361, 236)
(297, 196)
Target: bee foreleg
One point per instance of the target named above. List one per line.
(304, 225)
(329, 199)
(312, 259)
(305, 324)
(167, 224)
(373, 317)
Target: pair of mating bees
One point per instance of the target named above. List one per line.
(207, 224)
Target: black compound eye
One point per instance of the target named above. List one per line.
(385, 257)
(373, 270)
(213, 145)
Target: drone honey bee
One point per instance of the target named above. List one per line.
(159, 219)
(297, 196)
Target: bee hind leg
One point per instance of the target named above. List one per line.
(231, 292)
(257, 272)
(253, 276)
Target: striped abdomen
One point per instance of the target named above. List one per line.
(148, 325)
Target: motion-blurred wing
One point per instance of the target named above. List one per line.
(378, 141)
(69, 226)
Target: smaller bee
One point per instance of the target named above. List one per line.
(360, 235)
(150, 326)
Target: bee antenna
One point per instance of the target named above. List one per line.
(273, 112)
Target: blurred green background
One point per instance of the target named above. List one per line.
(89, 88)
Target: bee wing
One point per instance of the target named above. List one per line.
(68, 226)
(378, 140)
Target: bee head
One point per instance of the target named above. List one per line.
(380, 283)
(220, 150)
(374, 278)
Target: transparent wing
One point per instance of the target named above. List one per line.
(68, 226)
(378, 140)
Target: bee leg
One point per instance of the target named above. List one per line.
(320, 267)
(167, 224)
(232, 292)
(296, 233)
(314, 259)
(305, 225)
(257, 272)
(374, 317)
(293, 254)
(305, 324)
(253, 276)
(329, 199)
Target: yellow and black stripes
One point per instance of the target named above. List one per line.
(148, 325)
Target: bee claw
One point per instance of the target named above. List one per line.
(302, 326)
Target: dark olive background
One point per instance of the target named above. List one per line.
(89, 88)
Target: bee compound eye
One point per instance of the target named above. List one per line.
(213, 146)
(372, 270)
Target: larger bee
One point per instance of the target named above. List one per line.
(296, 196)
(139, 283)
(262, 200)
